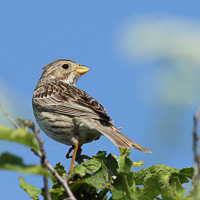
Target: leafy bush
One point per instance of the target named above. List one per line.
(100, 177)
(94, 178)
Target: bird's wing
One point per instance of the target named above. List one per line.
(68, 100)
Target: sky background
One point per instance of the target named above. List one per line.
(145, 61)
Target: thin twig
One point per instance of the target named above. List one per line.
(46, 188)
(42, 160)
(8, 116)
(41, 153)
(62, 181)
(196, 156)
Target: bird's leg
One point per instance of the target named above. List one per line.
(68, 153)
(79, 158)
(74, 157)
(79, 150)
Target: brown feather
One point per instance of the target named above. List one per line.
(66, 113)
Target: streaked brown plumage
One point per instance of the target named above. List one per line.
(68, 114)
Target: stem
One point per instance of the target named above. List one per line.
(126, 186)
(8, 116)
(46, 188)
(42, 156)
(45, 163)
(195, 181)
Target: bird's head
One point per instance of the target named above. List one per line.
(64, 70)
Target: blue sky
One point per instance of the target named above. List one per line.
(152, 99)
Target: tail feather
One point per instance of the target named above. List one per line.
(121, 140)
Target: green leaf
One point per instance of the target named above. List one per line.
(100, 156)
(61, 170)
(90, 176)
(187, 172)
(97, 180)
(140, 176)
(111, 166)
(124, 151)
(138, 164)
(161, 179)
(156, 180)
(58, 194)
(124, 187)
(15, 163)
(125, 164)
(31, 190)
(87, 166)
(20, 135)
(177, 188)
(91, 173)
(94, 178)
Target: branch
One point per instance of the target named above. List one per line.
(44, 162)
(196, 155)
(8, 116)
(41, 153)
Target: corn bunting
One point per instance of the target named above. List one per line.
(69, 115)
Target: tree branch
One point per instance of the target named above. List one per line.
(44, 162)
(41, 153)
(195, 181)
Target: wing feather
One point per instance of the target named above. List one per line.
(65, 99)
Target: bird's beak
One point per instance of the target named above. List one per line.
(82, 69)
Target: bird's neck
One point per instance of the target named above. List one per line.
(43, 82)
(70, 81)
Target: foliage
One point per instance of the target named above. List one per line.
(31, 190)
(100, 177)
(19, 135)
(11, 162)
(22, 136)
(94, 178)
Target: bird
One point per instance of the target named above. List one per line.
(68, 114)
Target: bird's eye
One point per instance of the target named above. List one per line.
(65, 66)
